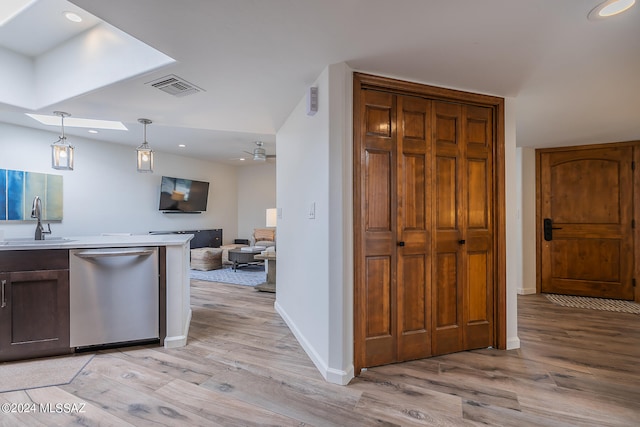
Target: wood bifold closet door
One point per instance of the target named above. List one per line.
(395, 174)
(424, 263)
(463, 240)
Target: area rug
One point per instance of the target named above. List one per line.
(44, 372)
(595, 303)
(251, 275)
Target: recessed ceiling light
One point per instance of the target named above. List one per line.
(181, 145)
(93, 131)
(76, 122)
(610, 8)
(242, 159)
(72, 16)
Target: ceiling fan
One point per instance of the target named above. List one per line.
(259, 153)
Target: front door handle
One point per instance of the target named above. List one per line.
(4, 300)
(548, 229)
(400, 243)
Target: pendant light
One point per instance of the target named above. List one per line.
(144, 152)
(61, 151)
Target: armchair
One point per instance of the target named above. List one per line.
(264, 237)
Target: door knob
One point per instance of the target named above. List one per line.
(400, 243)
(462, 242)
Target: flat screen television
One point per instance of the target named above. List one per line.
(183, 195)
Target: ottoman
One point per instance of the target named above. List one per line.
(206, 259)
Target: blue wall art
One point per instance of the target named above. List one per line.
(19, 188)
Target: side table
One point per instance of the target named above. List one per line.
(270, 284)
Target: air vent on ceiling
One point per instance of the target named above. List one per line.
(174, 85)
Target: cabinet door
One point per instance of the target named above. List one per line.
(34, 317)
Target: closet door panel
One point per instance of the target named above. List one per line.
(448, 274)
(376, 320)
(413, 234)
(478, 248)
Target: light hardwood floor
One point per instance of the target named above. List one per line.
(242, 366)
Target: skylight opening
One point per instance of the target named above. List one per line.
(9, 9)
(76, 122)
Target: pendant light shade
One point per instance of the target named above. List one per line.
(144, 151)
(61, 151)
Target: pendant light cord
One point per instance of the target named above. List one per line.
(62, 137)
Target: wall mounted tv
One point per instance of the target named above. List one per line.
(178, 195)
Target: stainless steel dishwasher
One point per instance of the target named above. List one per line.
(114, 295)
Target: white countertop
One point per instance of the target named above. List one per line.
(109, 241)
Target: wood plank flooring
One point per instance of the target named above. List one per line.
(243, 367)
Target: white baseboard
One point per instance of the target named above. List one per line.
(331, 375)
(179, 340)
(526, 291)
(513, 343)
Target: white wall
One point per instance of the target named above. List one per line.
(303, 243)
(528, 190)
(256, 194)
(340, 224)
(315, 257)
(105, 193)
(21, 89)
(512, 223)
(314, 277)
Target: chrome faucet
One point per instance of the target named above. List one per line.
(36, 212)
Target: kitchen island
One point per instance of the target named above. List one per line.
(34, 308)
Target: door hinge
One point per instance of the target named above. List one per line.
(633, 282)
(633, 166)
(633, 223)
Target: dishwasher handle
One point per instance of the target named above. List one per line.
(113, 253)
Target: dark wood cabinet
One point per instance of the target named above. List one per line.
(34, 306)
(201, 238)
